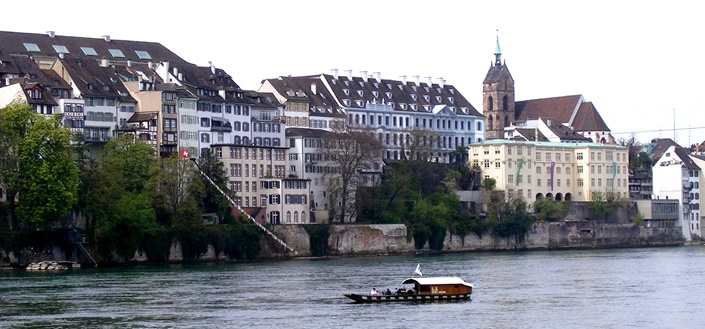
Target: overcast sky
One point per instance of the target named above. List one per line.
(639, 62)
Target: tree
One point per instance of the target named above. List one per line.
(550, 210)
(37, 166)
(213, 201)
(119, 206)
(178, 190)
(350, 151)
(603, 204)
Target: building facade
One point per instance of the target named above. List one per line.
(563, 171)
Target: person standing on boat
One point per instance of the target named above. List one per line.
(373, 292)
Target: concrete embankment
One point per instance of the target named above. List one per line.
(368, 239)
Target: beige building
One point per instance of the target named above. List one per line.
(258, 177)
(563, 171)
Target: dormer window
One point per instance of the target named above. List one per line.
(360, 103)
(389, 86)
(439, 99)
(376, 94)
(35, 93)
(452, 91)
(376, 85)
(451, 99)
(464, 109)
(439, 90)
(361, 93)
(346, 91)
(401, 87)
(290, 93)
(413, 96)
(403, 106)
(427, 98)
(413, 107)
(426, 88)
(427, 108)
(346, 102)
(389, 95)
(89, 86)
(362, 84)
(106, 88)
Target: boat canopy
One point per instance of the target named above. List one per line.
(437, 281)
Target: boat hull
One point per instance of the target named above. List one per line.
(405, 298)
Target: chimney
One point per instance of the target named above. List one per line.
(416, 78)
(313, 88)
(212, 67)
(176, 71)
(430, 81)
(181, 77)
(106, 38)
(61, 55)
(364, 75)
(129, 63)
(150, 65)
(51, 34)
(378, 76)
(441, 82)
(7, 81)
(403, 79)
(349, 72)
(104, 62)
(335, 73)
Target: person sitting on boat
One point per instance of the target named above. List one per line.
(387, 292)
(373, 292)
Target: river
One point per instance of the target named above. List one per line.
(616, 288)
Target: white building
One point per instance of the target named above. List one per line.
(676, 176)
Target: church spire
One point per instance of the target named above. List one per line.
(497, 52)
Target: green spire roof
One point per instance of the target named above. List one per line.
(497, 52)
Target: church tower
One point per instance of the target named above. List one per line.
(498, 97)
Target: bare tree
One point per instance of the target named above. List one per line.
(350, 151)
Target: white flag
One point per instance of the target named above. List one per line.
(418, 270)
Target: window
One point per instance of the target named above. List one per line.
(142, 54)
(580, 169)
(60, 49)
(580, 182)
(31, 47)
(579, 155)
(89, 51)
(116, 53)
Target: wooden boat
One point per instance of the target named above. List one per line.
(425, 289)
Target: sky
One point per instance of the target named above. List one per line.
(641, 63)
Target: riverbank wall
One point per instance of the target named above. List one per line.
(353, 240)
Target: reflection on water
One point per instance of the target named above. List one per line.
(633, 288)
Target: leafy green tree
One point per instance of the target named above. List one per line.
(213, 201)
(37, 166)
(603, 204)
(548, 209)
(119, 206)
(178, 190)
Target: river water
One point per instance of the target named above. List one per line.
(617, 288)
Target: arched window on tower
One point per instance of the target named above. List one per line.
(506, 121)
(490, 124)
(491, 103)
(505, 103)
